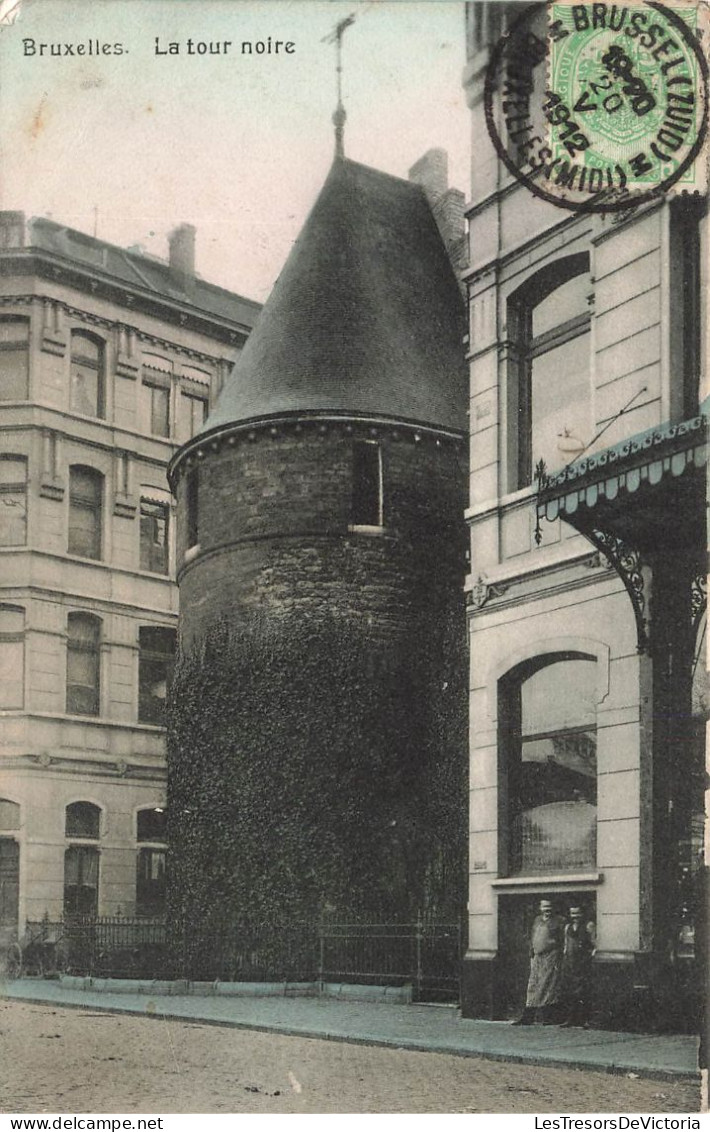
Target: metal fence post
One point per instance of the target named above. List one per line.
(419, 953)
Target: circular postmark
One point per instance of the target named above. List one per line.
(600, 106)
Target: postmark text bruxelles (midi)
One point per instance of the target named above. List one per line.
(600, 106)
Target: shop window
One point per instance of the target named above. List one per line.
(13, 500)
(192, 489)
(87, 374)
(366, 510)
(85, 507)
(548, 740)
(549, 409)
(81, 881)
(12, 657)
(82, 819)
(156, 655)
(83, 664)
(14, 359)
(154, 550)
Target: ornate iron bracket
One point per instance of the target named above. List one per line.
(629, 566)
(698, 598)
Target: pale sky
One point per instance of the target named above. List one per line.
(237, 145)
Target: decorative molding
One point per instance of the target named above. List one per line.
(52, 489)
(124, 506)
(482, 592)
(127, 367)
(113, 324)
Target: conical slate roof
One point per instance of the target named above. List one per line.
(365, 319)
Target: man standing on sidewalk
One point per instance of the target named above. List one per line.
(579, 946)
(546, 944)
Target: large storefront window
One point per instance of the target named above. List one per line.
(549, 739)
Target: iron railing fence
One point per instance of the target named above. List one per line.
(103, 946)
(423, 954)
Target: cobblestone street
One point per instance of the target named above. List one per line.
(83, 1061)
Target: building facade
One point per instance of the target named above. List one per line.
(109, 359)
(588, 350)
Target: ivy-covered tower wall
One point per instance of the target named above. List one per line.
(318, 719)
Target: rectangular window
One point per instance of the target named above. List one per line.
(12, 657)
(154, 549)
(87, 375)
(159, 411)
(192, 492)
(14, 359)
(85, 490)
(192, 414)
(156, 657)
(81, 881)
(367, 485)
(13, 501)
(83, 664)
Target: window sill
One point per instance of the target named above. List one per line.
(365, 529)
(547, 880)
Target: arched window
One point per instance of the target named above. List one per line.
(85, 507)
(12, 657)
(150, 862)
(156, 653)
(549, 746)
(87, 374)
(83, 664)
(82, 819)
(14, 359)
(549, 404)
(9, 815)
(13, 500)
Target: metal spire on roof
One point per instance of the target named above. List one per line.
(339, 115)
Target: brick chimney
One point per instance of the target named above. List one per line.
(12, 229)
(181, 255)
(432, 172)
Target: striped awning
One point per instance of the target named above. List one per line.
(608, 476)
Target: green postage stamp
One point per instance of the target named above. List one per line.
(600, 106)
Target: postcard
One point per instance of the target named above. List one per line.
(353, 678)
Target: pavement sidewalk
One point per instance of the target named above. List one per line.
(437, 1029)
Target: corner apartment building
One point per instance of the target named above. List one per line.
(109, 360)
(589, 350)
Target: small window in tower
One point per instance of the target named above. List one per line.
(191, 499)
(367, 484)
